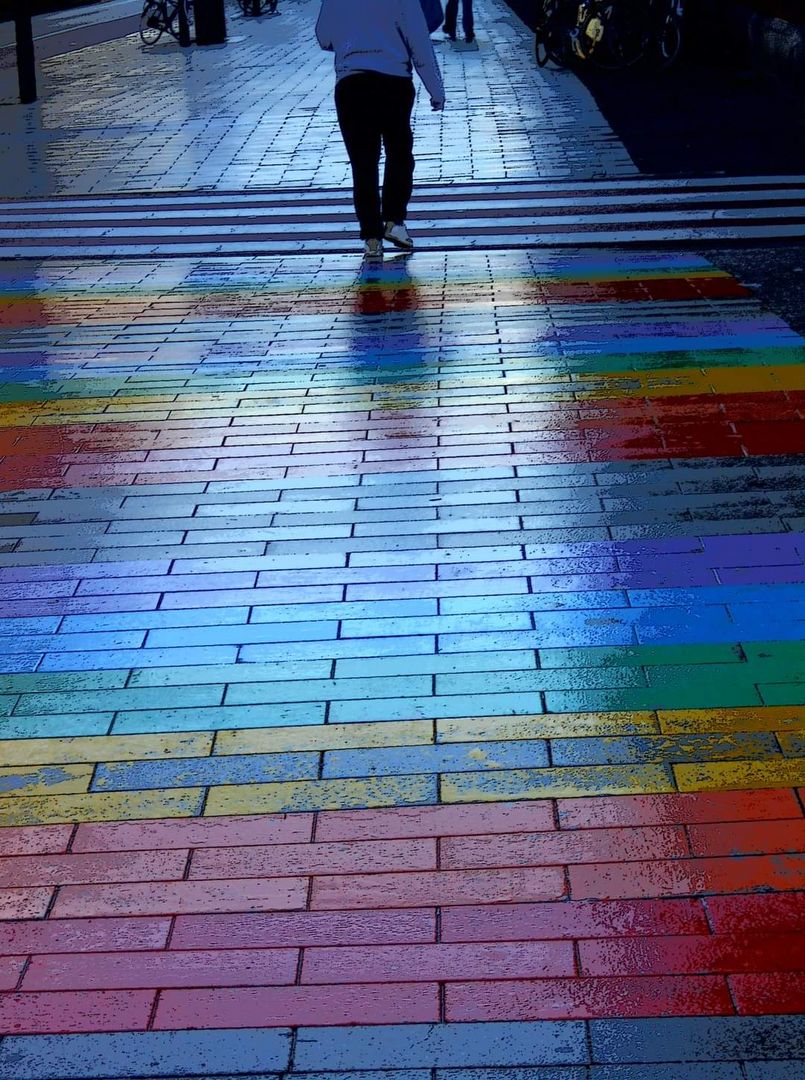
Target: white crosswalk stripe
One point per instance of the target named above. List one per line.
(442, 217)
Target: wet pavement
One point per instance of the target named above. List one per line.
(402, 667)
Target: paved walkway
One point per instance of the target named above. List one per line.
(402, 673)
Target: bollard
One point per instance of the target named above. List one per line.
(210, 22)
(26, 60)
(184, 26)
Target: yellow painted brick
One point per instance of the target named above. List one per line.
(102, 806)
(753, 718)
(44, 780)
(717, 775)
(105, 748)
(325, 737)
(545, 726)
(555, 783)
(306, 795)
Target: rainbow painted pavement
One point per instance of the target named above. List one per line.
(402, 670)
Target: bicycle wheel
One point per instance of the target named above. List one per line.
(152, 22)
(623, 41)
(550, 38)
(669, 39)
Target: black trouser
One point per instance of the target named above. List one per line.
(374, 110)
(451, 15)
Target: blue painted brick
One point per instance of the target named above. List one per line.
(561, 1072)
(441, 1045)
(422, 707)
(774, 1070)
(711, 1071)
(144, 1054)
(134, 658)
(636, 748)
(463, 757)
(204, 772)
(145, 620)
(721, 1038)
(242, 635)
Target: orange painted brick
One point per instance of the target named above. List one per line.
(689, 955)
(563, 848)
(761, 994)
(142, 970)
(35, 839)
(748, 837)
(67, 1013)
(178, 897)
(85, 869)
(297, 1005)
(687, 877)
(304, 928)
(569, 919)
(10, 971)
(439, 963)
(669, 809)
(566, 999)
(194, 832)
(466, 820)
(757, 913)
(368, 856)
(82, 935)
(438, 888)
(24, 903)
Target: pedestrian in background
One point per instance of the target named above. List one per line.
(377, 43)
(467, 21)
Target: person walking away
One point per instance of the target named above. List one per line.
(467, 21)
(377, 43)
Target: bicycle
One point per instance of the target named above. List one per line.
(257, 7)
(610, 34)
(160, 17)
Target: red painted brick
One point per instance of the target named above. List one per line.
(439, 963)
(298, 1005)
(35, 839)
(10, 971)
(178, 897)
(65, 1013)
(672, 809)
(439, 888)
(764, 994)
(566, 999)
(24, 903)
(194, 833)
(435, 821)
(141, 970)
(686, 877)
(748, 837)
(371, 856)
(563, 848)
(85, 869)
(304, 928)
(757, 913)
(82, 935)
(568, 919)
(688, 955)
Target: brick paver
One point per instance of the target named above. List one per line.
(401, 666)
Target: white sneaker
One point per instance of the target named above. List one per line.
(398, 235)
(373, 249)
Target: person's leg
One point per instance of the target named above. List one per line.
(450, 17)
(467, 20)
(359, 119)
(398, 140)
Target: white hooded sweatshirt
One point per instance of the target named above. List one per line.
(388, 36)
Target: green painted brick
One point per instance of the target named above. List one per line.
(640, 655)
(100, 700)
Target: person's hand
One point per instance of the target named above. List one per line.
(437, 104)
